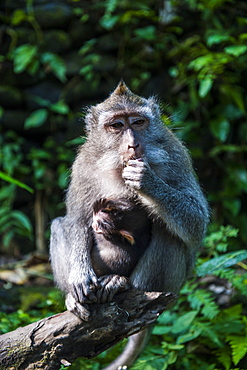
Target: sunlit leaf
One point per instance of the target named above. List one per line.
(18, 16)
(23, 57)
(227, 260)
(220, 128)
(216, 39)
(183, 322)
(205, 86)
(56, 64)
(236, 50)
(36, 118)
(10, 179)
(22, 219)
(60, 107)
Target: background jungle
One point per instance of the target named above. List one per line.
(56, 57)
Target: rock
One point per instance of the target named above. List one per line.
(108, 42)
(80, 32)
(106, 63)
(57, 41)
(73, 63)
(47, 89)
(10, 97)
(53, 15)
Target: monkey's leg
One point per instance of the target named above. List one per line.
(163, 267)
(110, 285)
(136, 344)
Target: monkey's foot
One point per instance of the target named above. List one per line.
(110, 285)
(76, 308)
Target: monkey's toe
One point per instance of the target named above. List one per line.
(76, 308)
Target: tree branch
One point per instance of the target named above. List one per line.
(61, 338)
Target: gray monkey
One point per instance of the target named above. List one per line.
(129, 154)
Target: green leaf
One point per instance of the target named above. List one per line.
(233, 205)
(220, 128)
(109, 21)
(10, 179)
(201, 62)
(18, 16)
(205, 86)
(235, 50)
(60, 107)
(229, 148)
(56, 64)
(146, 33)
(36, 118)
(194, 333)
(23, 57)
(183, 322)
(216, 39)
(22, 219)
(218, 263)
(161, 330)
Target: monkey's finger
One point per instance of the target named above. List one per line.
(99, 295)
(136, 162)
(114, 285)
(133, 184)
(90, 292)
(79, 292)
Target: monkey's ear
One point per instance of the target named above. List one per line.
(127, 235)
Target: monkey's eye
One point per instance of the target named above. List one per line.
(108, 210)
(117, 125)
(139, 123)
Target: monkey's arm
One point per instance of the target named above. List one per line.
(181, 206)
(70, 258)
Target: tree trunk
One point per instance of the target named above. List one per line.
(60, 339)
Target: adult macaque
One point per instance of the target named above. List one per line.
(129, 154)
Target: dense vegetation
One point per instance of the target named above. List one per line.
(58, 57)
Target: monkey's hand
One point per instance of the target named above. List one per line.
(83, 286)
(110, 285)
(138, 174)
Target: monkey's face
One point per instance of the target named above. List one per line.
(127, 130)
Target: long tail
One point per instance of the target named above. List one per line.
(132, 350)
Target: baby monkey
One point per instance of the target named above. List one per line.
(122, 232)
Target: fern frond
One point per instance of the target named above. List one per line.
(224, 357)
(204, 298)
(239, 347)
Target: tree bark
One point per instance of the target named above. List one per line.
(60, 339)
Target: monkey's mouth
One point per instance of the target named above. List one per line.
(103, 227)
(96, 228)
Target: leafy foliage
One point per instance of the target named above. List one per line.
(197, 51)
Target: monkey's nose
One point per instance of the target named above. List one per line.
(134, 146)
